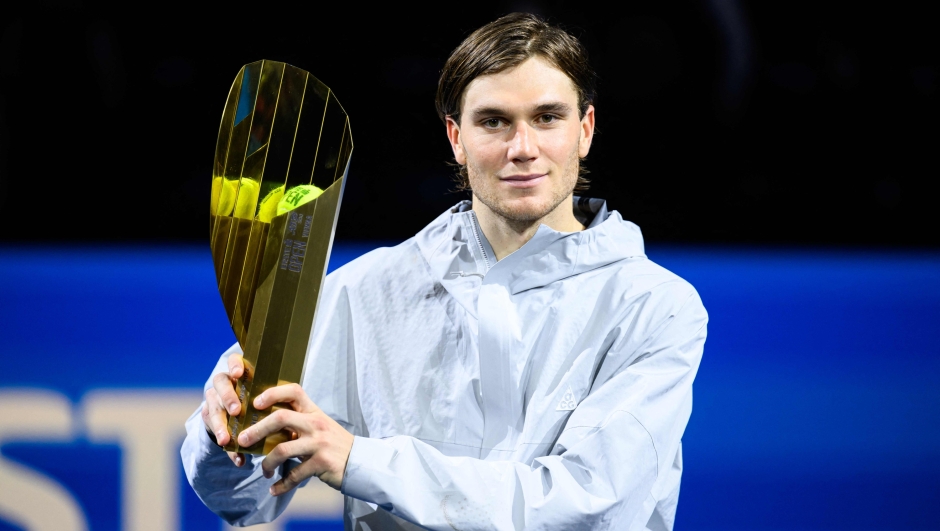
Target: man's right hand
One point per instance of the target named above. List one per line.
(222, 401)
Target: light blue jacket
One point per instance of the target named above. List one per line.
(549, 390)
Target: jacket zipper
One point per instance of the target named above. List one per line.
(476, 235)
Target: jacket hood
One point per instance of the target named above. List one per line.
(455, 248)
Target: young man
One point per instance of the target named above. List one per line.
(519, 363)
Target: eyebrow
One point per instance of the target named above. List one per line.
(556, 107)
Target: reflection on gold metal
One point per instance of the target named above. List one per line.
(281, 128)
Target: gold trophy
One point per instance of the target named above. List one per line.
(280, 167)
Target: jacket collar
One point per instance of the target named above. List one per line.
(457, 251)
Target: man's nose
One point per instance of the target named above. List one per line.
(523, 146)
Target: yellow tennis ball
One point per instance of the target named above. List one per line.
(297, 196)
(268, 208)
(216, 192)
(223, 195)
(247, 198)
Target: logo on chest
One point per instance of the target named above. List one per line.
(568, 402)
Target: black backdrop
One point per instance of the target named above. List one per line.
(719, 121)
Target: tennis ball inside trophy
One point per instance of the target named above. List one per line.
(223, 195)
(268, 208)
(247, 199)
(232, 194)
(296, 196)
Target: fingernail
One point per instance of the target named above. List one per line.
(238, 461)
(231, 408)
(271, 491)
(219, 434)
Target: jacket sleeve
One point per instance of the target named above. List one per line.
(238, 495)
(603, 470)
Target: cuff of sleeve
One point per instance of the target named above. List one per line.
(366, 458)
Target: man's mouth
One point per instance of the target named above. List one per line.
(524, 181)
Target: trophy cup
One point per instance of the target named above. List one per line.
(280, 167)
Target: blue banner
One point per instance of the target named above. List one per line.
(816, 406)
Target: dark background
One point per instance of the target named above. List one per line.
(719, 121)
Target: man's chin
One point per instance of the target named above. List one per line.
(522, 209)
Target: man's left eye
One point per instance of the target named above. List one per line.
(547, 118)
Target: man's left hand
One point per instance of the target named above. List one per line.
(320, 442)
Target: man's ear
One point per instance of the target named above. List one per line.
(453, 135)
(587, 132)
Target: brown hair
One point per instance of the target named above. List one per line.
(506, 43)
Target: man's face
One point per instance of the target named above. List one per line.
(521, 139)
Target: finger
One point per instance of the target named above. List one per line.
(282, 453)
(237, 458)
(295, 477)
(222, 384)
(273, 423)
(236, 366)
(206, 418)
(216, 418)
(292, 394)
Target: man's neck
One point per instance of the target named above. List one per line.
(506, 236)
